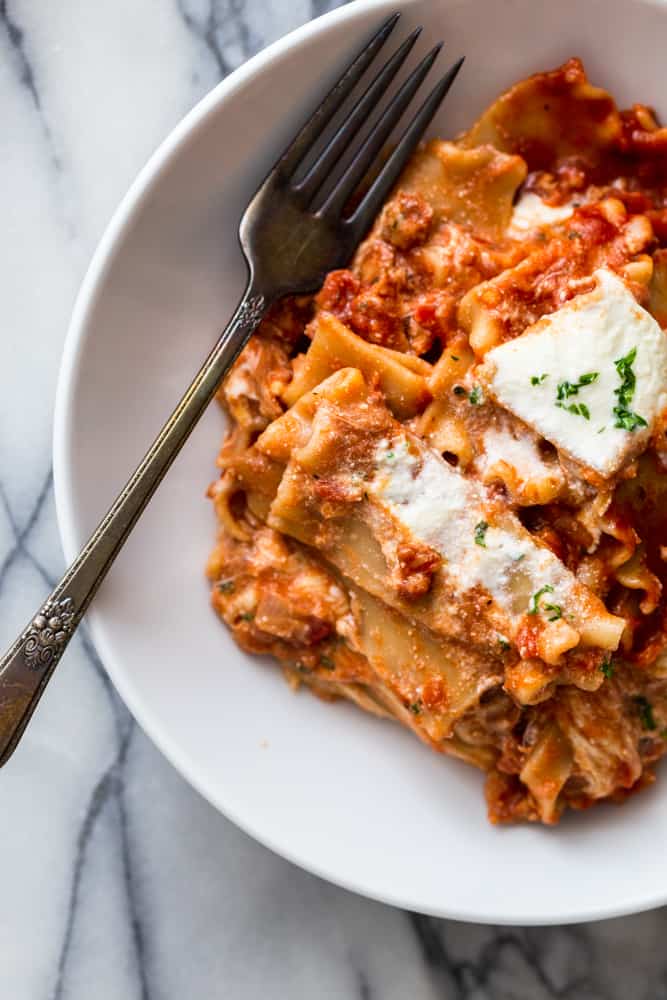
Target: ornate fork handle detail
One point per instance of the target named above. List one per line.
(28, 665)
(250, 311)
(47, 635)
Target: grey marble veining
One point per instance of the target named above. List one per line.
(119, 881)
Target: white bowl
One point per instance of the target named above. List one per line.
(353, 799)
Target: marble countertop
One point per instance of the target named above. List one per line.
(118, 880)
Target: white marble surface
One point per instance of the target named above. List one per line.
(117, 880)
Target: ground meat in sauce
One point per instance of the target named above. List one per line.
(417, 286)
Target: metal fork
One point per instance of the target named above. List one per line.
(292, 233)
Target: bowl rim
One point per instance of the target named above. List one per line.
(72, 356)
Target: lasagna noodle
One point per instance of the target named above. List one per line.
(430, 681)
(474, 188)
(549, 116)
(402, 378)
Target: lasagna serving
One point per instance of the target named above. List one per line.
(443, 491)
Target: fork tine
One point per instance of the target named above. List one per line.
(313, 128)
(363, 216)
(339, 142)
(356, 170)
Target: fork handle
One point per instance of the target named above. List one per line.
(27, 666)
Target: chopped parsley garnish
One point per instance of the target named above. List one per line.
(645, 710)
(458, 390)
(247, 616)
(226, 586)
(567, 389)
(415, 707)
(503, 643)
(579, 409)
(480, 533)
(534, 606)
(453, 357)
(626, 419)
(538, 379)
(389, 455)
(601, 429)
(607, 667)
(327, 663)
(623, 366)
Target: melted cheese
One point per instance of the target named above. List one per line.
(500, 446)
(440, 507)
(531, 213)
(587, 336)
(515, 460)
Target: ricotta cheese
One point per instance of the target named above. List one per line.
(500, 446)
(442, 508)
(531, 213)
(591, 377)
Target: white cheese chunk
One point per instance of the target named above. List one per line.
(442, 508)
(522, 453)
(531, 213)
(578, 347)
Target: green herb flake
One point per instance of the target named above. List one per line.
(534, 605)
(415, 707)
(503, 643)
(247, 616)
(601, 430)
(226, 586)
(626, 419)
(480, 533)
(565, 390)
(607, 667)
(454, 357)
(556, 611)
(645, 711)
(476, 397)
(327, 663)
(458, 390)
(389, 455)
(538, 379)
(579, 409)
